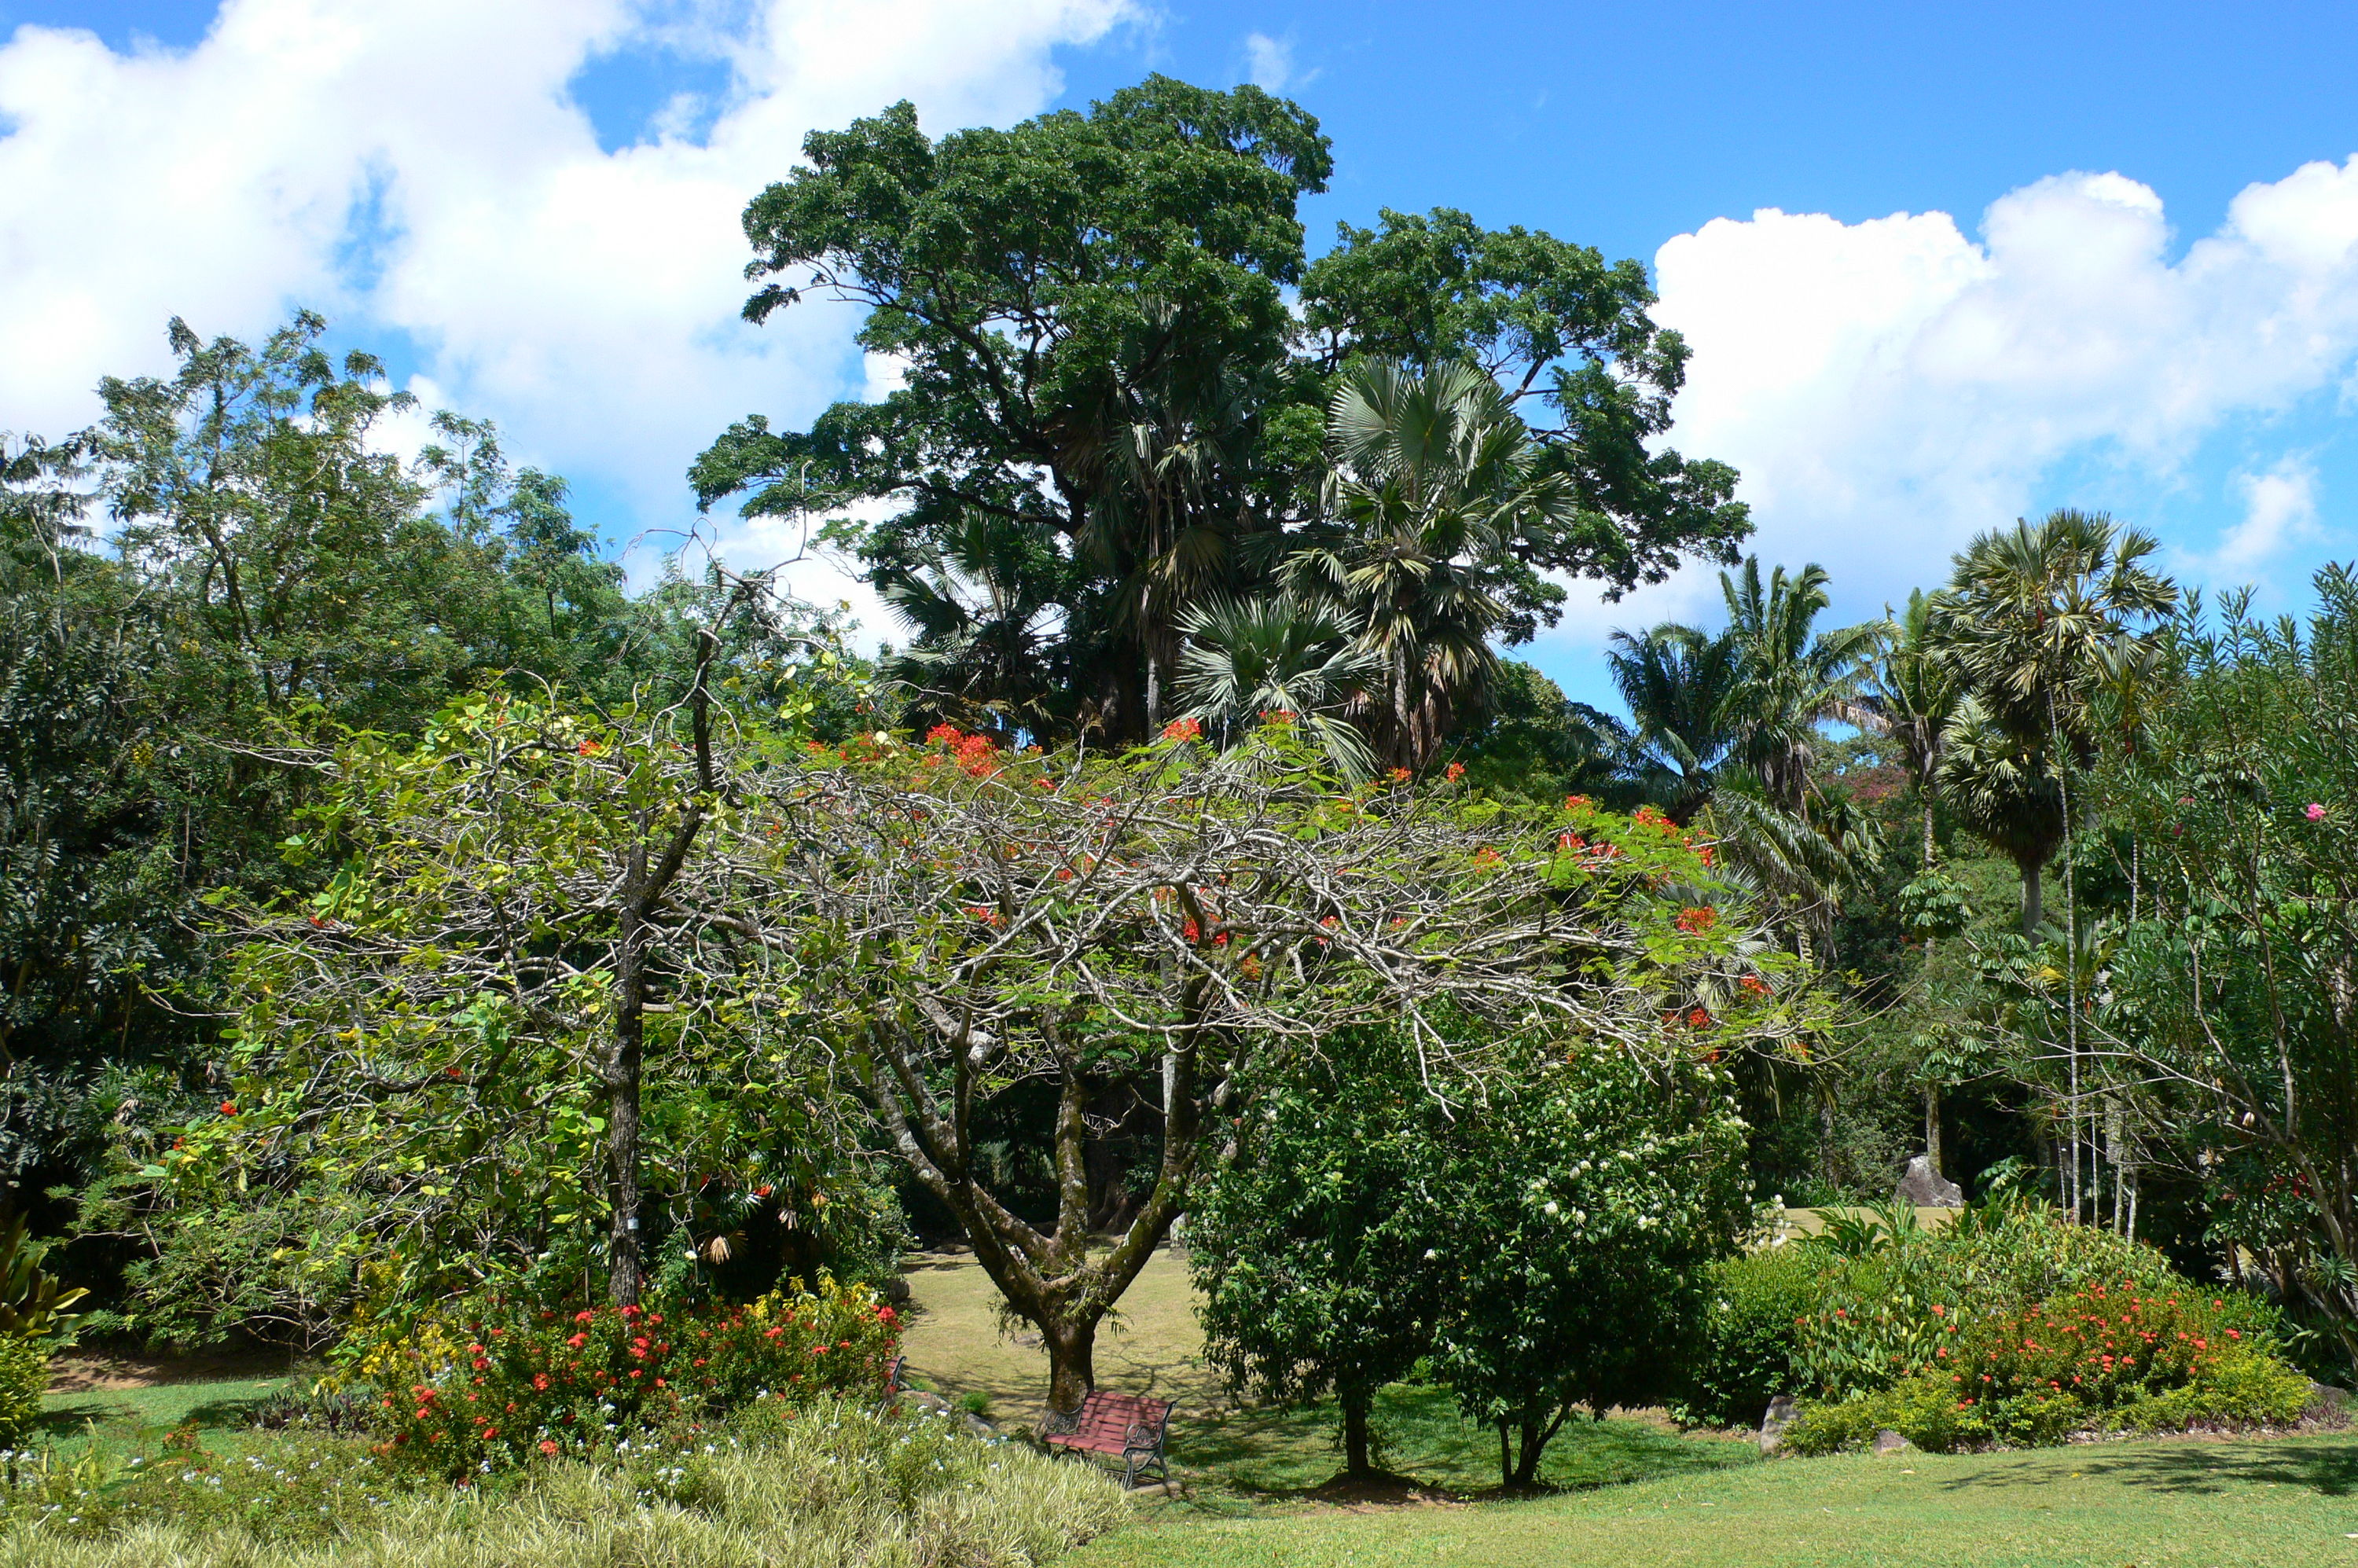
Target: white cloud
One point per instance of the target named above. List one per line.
(1889, 387)
(2280, 509)
(1268, 63)
(421, 167)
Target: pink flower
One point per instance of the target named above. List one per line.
(2316, 812)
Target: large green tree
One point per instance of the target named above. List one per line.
(1098, 361)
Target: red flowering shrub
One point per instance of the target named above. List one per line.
(511, 1386)
(2103, 1356)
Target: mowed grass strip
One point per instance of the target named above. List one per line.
(2154, 1504)
(125, 1420)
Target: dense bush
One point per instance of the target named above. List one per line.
(837, 1483)
(496, 1388)
(1744, 1355)
(2104, 1356)
(1882, 1314)
(24, 1373)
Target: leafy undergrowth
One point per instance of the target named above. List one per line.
(842, 1485)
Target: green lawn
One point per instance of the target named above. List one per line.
(125, 1420)
(2153, 1505)
(1634, 1492)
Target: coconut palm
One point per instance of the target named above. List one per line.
(1684, 693)
(1795, 678)
(1910, 693)
(981, 615)
(1244, 658)
(1433, 479)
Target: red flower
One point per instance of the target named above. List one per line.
(547, 1445)
(1182, 730)
(1454, 772)
(947, 734)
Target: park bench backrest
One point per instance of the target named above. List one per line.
(1105, 1420)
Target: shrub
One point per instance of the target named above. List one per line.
(1882, 1314)
(834, 1484)
(2102, 1356)
(494, 1389)
(24, 1373)
(1743, 1357)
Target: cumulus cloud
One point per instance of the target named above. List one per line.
(1889, 387)
(423, 168)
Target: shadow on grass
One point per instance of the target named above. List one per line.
(1236, 1456)
(2189, 1466)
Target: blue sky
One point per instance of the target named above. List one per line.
(2087, 349)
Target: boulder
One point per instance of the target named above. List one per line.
(2328, 1406)
(1924, 1187)
(1889, 1441)
(1773, 1424)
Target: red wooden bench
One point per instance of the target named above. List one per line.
(1127, 1427)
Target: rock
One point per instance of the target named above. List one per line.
(1889, 1441)
(2327, 1405)
(925, 1400)
(981, 1428)
(1924, 1187)
(1773, 1425)
(896, 1291)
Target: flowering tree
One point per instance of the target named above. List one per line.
(2236, 1004)
(1172, 917)
(530, 905)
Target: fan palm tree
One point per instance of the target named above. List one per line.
(1433, 479)
(2027, 622)
(2027, 617)
(2029, 608)
(1244, 658)
(2004, 788)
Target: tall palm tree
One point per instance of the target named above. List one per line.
(1910, 693)
(1684, 692)
(1796, 678)
(1433, 479)
(2027, 620)
(2027, 617)
(1244, 658)
(2004, 789)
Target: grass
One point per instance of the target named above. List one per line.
(122, 1421)
(1632, 1491)
(2153, 1505)
(1232, 1457)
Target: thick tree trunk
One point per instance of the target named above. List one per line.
(1072, 1361)
(1355, 1437)
(1933, 1127)
(2030, 900)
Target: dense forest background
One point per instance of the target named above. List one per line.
(2060, 839)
